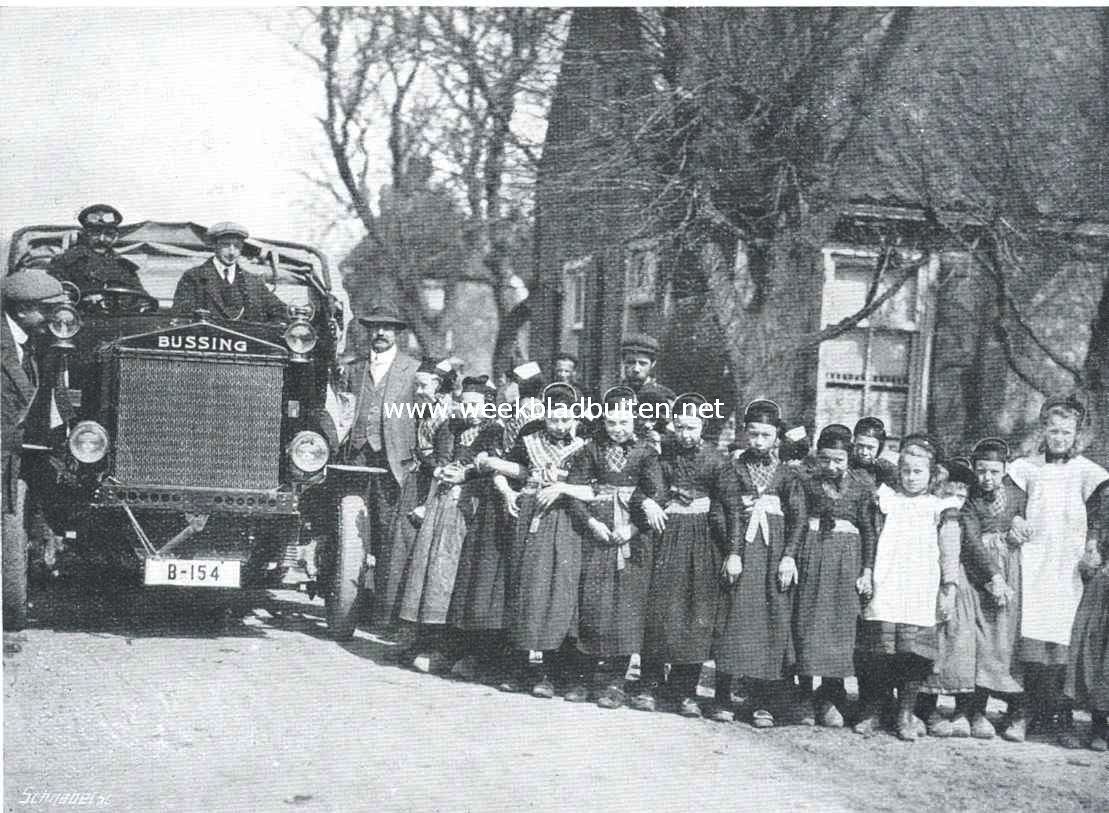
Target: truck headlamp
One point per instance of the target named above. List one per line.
(88, 442)
(308, 451)
(301, 339)
(64, 323)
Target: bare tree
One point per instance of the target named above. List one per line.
(465, 89)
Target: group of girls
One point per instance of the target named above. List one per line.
(541, 555)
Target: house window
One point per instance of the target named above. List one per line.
(879, 367)
(573, 301)
(641, 261)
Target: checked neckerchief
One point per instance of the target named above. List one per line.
(762, 474)
(616, 455)
(998, 504)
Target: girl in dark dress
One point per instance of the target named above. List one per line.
(430, 392)
(617, 547)
(955, 668)
(830, 548)
(993, 519)
(545, 554)
(450, 509)
(753, 637)
(1087, 681)
(702, 521)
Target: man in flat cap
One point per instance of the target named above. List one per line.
(639, 352)
(384, 430)
(27, 297)
(92, 264)
(220, 286)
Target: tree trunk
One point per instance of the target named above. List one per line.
(1097, 380)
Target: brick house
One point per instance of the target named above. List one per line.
(932, 356)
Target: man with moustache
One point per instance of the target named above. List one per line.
(384, 431)
(92, 264)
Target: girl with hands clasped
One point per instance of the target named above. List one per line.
(702, 519)
(624, 481)
(545, 551)
(830, 548)
(450, 509)
(753, 621)
(908, 586)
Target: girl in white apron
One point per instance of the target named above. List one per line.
(901, 586)
(1058, 482)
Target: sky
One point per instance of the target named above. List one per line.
(186, 114)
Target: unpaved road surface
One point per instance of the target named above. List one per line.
(151, 702)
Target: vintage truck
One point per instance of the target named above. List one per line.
(192, 451)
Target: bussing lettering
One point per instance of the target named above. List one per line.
(221, 344)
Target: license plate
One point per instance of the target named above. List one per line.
(192, 572)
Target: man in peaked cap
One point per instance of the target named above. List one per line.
(27, 295)
(92, 264)
(221, 286)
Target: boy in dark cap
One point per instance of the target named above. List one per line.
(639, 353)
(753, 629)
(92, 264)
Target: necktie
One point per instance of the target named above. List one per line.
(28, 364)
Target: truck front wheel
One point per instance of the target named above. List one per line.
(346, 578)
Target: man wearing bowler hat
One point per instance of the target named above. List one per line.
(92, 264)
(221, 286)
(27, 298)
(384, 431)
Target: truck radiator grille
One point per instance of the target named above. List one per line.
(200, 422)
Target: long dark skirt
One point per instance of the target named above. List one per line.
(753, 636)
(827, 614)
(435, 554)
(955, 669)
(684, 591)
(1088, 667)
(884, 638)
(413, 492)
(999, 627)
(479, 587)
(611, 600)
(545, 572)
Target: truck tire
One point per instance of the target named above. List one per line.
(15, 566)
(346, 579)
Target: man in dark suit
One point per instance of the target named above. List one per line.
(379, 436)
(220, 286)
(27, 296)
(92, 263)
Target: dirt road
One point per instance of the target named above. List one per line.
(145, 702)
